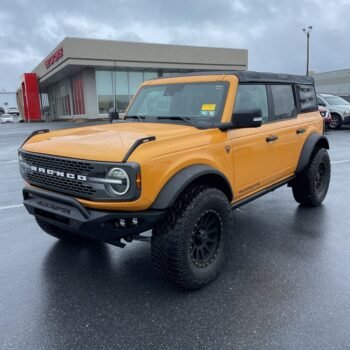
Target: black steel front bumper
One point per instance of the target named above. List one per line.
(67, 213)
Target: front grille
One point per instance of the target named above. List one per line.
(68, 186)
(55, 163)
(63, 185)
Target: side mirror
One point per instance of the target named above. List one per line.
(322, 104)
(247, 119)
(113, 114)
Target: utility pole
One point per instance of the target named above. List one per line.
(307, 31)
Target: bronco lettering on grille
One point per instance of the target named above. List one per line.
(58, 173)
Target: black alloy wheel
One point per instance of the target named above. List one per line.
(206, 239)
(320, 178)
(311, 186)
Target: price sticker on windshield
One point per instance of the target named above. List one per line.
(209, 107)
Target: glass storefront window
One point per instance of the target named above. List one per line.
(122, 90)
(169, 74)
(135, 80)
(105, 103)
(149, 75)
(104, 90)
(118, 87)
(59, 95)
(104, 85)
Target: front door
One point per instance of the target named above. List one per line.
(253, 150)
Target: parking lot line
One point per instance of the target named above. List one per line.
(341, 161)
(11, 206)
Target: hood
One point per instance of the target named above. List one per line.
(107, 142)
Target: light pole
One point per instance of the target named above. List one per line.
(307, 31)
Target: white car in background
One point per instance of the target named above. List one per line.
(13, 111)
(6, 118)
(339, 108)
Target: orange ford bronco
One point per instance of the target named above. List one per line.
(189, 150)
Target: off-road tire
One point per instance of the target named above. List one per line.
(174, 239)
(336, 121)
(311, 186)
(59, 233)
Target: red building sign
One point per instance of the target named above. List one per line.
(30, 97)
(57, 55)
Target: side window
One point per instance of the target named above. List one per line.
(307, 96)
(283, 101)
(250, 97)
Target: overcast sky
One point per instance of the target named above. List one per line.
(269, 29)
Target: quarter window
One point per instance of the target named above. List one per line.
(283, 101)
(252, 97)
(307, 97)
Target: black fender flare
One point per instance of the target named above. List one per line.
(182, 179)
(314, 140)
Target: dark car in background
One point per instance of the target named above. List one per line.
(326, 115)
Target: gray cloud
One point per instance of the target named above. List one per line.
(270, 30)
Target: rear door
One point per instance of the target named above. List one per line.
(293, 120)
(289, 131)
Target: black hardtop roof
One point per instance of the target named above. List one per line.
(257, 77)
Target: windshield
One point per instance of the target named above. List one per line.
(335, 100)
(189, 102)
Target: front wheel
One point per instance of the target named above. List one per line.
(192, 243)
(311, 185)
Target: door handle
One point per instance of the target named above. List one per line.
(271, 138)
(300, 131)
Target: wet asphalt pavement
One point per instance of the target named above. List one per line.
(287, 285)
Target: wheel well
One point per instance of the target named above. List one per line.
(213, 180)
(311, 146)
(321, 143)
(194, 175)
(337, 114)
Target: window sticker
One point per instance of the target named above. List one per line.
(209, 107)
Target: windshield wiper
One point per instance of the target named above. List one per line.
(138, 117)
(177, 117)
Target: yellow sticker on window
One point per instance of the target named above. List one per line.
(208, 107)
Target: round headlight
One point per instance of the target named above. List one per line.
(118, 181)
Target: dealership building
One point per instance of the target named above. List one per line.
(87, 77)
(334, 82)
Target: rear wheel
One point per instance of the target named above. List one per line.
(192, 243)
(336, 121)
(60, 233)
(311, 185)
